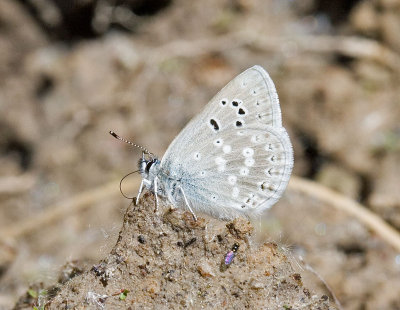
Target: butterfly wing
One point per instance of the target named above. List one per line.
(234, 156)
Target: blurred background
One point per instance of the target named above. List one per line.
(72, 70)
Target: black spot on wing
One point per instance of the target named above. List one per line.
(214, 124)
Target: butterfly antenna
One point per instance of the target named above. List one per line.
(133, 144)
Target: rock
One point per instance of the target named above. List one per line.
(205, 269)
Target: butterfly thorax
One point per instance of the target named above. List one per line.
(167, 186)
(149, 169)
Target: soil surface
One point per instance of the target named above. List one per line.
(169, 261)
(71, 73)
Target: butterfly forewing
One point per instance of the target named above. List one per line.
(235, 156)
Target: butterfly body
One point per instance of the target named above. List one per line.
(233, 158)
(149, 169)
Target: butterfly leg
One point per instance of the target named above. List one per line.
(187, 203)
(140, 192)
(155, 193)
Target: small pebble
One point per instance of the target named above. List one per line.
(205, 269)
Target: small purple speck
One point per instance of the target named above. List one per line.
(229, 257)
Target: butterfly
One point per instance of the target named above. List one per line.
(234, 158)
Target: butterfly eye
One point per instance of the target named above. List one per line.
(148, 166)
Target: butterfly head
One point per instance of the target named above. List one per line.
(148, 166)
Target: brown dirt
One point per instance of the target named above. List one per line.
(170, 261)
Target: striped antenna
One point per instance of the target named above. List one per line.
(133, 144)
